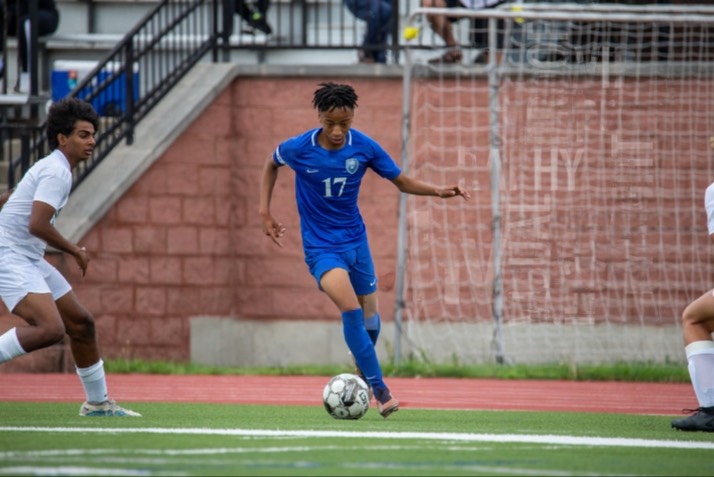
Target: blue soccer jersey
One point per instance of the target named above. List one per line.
(327, 186)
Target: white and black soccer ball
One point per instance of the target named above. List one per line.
(346, 396)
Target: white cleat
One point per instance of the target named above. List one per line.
(107, 408)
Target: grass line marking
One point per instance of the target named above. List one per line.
(439, 436)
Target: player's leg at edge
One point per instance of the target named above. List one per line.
(90, 367)
(697, 327)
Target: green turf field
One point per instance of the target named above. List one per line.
(211, 439)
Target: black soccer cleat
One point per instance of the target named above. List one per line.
(702, 419)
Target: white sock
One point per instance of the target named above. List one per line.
(94, 382)
(700, 355)
(10, 347)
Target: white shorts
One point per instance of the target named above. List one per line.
(20, 275)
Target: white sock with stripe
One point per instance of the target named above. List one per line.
(10, 346)
(700, 355)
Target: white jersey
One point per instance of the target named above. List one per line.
(49, 180)
(709, 206)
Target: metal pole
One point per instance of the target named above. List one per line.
(229, 9)
(129, 91)
(3, 46)
(402, 227)
(394, 31)
(32, 45)
(495, 168)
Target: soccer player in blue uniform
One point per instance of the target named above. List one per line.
(329, 163)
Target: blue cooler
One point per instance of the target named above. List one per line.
(110, 102)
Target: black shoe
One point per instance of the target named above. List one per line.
(702, 419)
(365, 57)
(258, 22)
(451, 56)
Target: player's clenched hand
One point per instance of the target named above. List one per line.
(454, 191)
(273, 229)
(82, 258)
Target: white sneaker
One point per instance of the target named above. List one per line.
(107, 408)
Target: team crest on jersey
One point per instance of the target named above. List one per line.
(352, 165)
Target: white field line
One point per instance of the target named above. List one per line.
(71, 470)
(437, 436)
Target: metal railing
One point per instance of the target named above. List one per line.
(124, 86)
(315, 24)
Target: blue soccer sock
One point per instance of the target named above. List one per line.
(373, 324)
(360, 344)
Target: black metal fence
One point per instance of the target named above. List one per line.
(123, 87)
(333, 24)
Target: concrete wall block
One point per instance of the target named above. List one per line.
(228, 341)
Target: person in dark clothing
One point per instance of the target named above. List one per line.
(378, 16)
(17, 24)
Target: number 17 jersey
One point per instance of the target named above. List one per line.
(327, 186)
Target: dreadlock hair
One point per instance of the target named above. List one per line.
(331, 95)
(63, 115)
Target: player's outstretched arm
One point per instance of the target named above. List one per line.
(271, 227)
(413, 186)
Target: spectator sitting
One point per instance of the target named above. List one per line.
(378, 15)
(442, 26)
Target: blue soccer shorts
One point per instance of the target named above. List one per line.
(357, 261)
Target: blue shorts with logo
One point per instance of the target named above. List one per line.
(357, 261)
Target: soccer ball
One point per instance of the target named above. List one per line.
(346, 396)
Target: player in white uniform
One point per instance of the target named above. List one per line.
(697, 328)
(31, 287)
